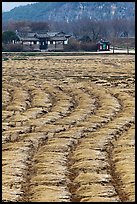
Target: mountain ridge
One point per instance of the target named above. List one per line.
(69, 11)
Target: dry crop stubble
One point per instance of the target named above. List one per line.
(68, 128)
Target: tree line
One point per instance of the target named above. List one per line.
(80, 29)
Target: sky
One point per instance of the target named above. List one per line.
(7, 6)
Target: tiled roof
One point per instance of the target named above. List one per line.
(45, 35)
(28, 39)
(68, 36)
(32, 36)
(58, 38)
(51, 34)
(26, 35)
(103, 41)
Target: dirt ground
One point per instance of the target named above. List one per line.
(68, 128)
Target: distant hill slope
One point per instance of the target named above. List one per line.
(69, 11)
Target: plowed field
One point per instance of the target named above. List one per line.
(68, 128)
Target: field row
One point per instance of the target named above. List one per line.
(68, 135)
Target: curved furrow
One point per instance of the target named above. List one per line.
(53, 145)
(7, 92)
(63, 104)
(40, 103)
(51, 170)
(30, 137)
(122, 155)
(18, 121)
(59, 192)
(12, 175)
(6, 117)
(31, 140)
(94, 177)
(16, 95)
(77, 110)
(19, 98)
(85, 107)
(34, 118)
(65, 144)
(108, 107)
(27, 136)
(50, 176)
(6, 98)
(15, 177)
(18, 104)
(16, 135)
(36, 104)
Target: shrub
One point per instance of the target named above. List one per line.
(12, 48)
(9, 36)
(85, 46)
(73, 45)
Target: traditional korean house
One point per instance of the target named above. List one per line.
(43, 41)
(103, 45)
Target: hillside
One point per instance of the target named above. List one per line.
(68, 11)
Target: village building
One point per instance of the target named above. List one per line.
(103, 45)
(43, 41)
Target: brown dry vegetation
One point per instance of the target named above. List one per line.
(68, 128)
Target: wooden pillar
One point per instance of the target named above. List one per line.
(113, 49)
(127, 50)
(55, 44)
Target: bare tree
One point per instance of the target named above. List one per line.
(18, 25)
(25, 26)
(39, 26)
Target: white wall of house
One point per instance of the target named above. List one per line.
(26, 43)
(66, 42)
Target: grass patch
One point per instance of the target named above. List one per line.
(19, 59)
(5, 59)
